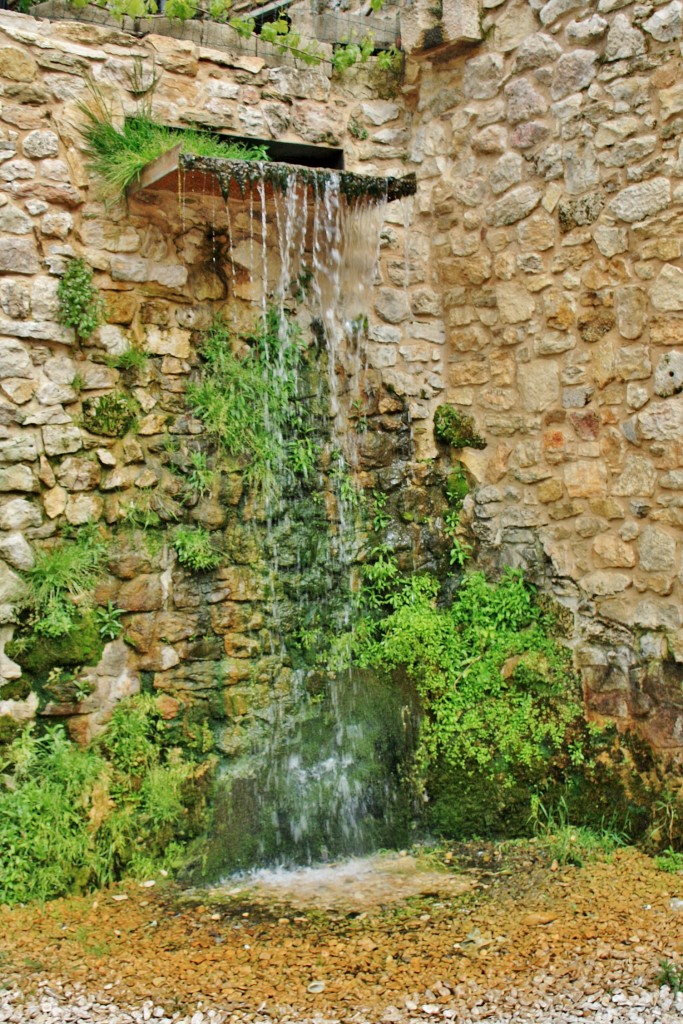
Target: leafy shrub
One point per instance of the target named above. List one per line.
(62, 574)
(71, 818)
(193, 546)
(456, 429)
(80, 304)
(670, 861)
(111, 415)
(250, 404)
(38, 653)
(118, 154)
(501, 702)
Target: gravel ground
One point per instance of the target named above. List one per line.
(518, 941)
(636, 1007)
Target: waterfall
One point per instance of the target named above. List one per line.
(318, 776)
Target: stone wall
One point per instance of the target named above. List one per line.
(534, 283)
(550, 170)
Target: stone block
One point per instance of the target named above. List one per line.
(425, 27)
(636, 202)
(666, 294)
(586, 479)
(657, 550)
(61, 440)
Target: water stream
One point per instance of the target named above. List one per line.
(314, 768)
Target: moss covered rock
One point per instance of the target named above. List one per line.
(111, 415)
(38, 655)
(456, 429)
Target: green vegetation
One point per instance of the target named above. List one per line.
(108, 621)
(670, 974)
(38, 653)
(111, 415)
(80, 303)
(250, 404)
(194, 548)
(130, 361)
(456, 429)
(118, 154)
(570, 844)
(71, 819)
(63, 576)
(498, 689)
(670, 860)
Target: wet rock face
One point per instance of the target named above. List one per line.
(534, 284)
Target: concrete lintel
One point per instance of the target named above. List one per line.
(426, 31)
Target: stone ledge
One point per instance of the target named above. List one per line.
(426, 32)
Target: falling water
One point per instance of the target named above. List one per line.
(321, 775)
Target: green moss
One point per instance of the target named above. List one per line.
(38, 655)
(456, 429)
(112, 415)
(457, 486)
(9, 729)
(16, 689)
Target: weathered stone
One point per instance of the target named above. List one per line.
(483, 76)
(19, 514)
(639, 201)
(506, 172)
(623, 39)
(14, 359)
(574, 71)
(633, 362)
(392, 305)
(539, 385)
(669, 375)
(83, 508)
(39, 144)
(524, 102)
(19, 256)
(61, 440)
(515, 304)
(604, 584)
(662, 421)
(17, 478)
(14, 220)
(671, 100)
(652, 614)
(657, 550)
(614, 552)
(516, 204)
(586, 479)
(54, 501)
(16, 65)
(174, 342)
(610, 241)
(536, 51)
(666, 294)
(666, 23)
(574, 213)
(537, 232)
(631, 308)
(16, 550)
(378, 112)
(78, 474)
(554, 9)
(588, 30)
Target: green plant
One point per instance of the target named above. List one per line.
(80, 303)
(302, 455)
(456, 429)
(460, 551)
(194, 549)
(199, 478)
(670, 974)
(111, 415)
(357, 129)
(130, 361)
(500, 698)
(64, 574)
(346, 55)
(117, 153)
(78, 383)
(71, 819)
(570, 844)
(380, 518)
(670, 860)
(140, 515)
(108, 621)
(250, 404)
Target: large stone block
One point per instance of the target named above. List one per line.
(426, 26)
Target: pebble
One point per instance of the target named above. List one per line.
(637, 1006)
